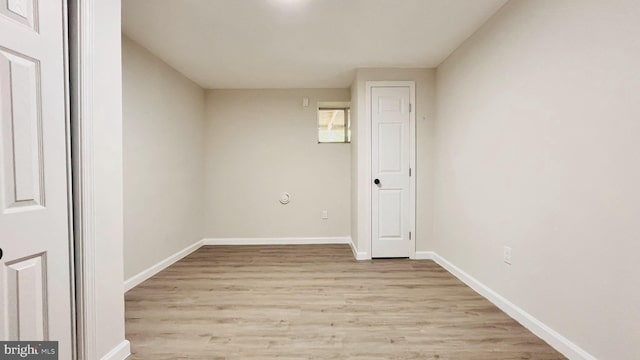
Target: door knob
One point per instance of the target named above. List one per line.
(0, 253)
(376, 181)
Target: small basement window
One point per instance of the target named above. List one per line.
(334, 122)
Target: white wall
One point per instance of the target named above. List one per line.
(107, 173)
(261, 143)
(353, 189)
(163, 114)
(361, 186)
(538, 148)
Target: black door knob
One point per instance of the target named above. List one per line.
(0, 253)
(376, 181)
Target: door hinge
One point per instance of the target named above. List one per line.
(410, 107)
(409, 235)
(409, 171)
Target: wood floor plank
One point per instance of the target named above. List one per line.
(316, 302)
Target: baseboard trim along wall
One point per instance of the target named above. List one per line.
(358, 255)
(552, 337)
(425, 255)
(120, 352)
(137, 279)
(146, 274)
(278, 241)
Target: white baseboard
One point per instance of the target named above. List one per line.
(120, 352)
(358, 255)
(552, 337)
(424, 255)
(137, 279)
(278, 241)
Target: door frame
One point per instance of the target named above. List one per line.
(412, 159)
(96, 106)
(80, 40)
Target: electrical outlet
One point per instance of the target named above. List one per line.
(325, 214)
(507, 255)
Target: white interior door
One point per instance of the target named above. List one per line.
(390, 164)
(35, 276)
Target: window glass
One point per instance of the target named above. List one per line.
(334, 125)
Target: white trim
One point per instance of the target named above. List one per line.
(540, 329)
(412, 158)
(70, 196)
(425, 255)
(358, 255)
(139, 278)
(144, 275)
(81, 42)
(552, 337)
(278, 241)
(120, 352)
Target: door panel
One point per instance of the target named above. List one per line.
(390, 209)
(22, 11)
(35, 271)
(21, 132)
(390, 140)
(26, 284)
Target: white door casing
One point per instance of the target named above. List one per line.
(392, 201)
(35, 270)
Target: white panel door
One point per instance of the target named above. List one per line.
(35, 275)
(390, 151)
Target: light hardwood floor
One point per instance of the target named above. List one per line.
(316, 302)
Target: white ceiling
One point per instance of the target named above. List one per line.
(299, 43)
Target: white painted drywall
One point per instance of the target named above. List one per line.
(425, 110)
(538, 148)
(353, 190)
(260, 143)
(163, 115)
(107, 140)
